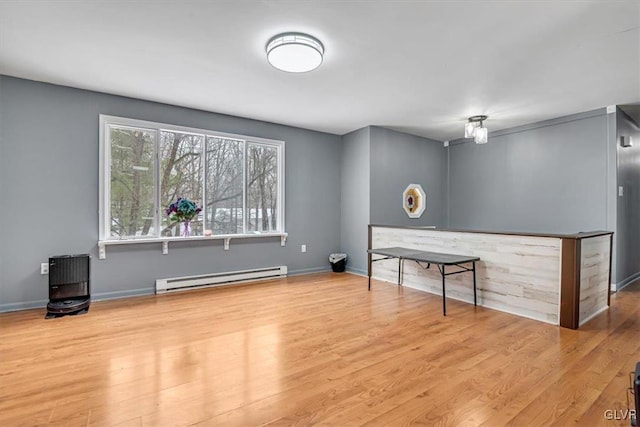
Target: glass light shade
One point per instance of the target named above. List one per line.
(469, 130)
(482, 135)
(295, 52)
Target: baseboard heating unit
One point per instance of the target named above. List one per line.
(218, 279)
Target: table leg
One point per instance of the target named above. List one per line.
(369, 267)
(444, 302)
(475, 300)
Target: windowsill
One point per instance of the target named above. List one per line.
(102, 244)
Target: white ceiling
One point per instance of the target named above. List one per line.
(421, 67)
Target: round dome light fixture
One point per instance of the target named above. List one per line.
(295, 52)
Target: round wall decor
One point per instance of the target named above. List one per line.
(414, 200)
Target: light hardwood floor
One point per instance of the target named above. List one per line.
(315, 349)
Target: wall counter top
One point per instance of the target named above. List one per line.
(579, 235)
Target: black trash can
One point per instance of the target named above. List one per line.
(338, 262)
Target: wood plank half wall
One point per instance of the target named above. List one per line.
(558, 279)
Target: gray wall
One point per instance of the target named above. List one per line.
(355, 198)
(550, 177)
(628, 212)
(49, 191)
(554, 176)
(397, 160)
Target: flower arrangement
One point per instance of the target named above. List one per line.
(183, 210)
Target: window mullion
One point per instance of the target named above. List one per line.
(280, 188)
(245, 214)
(203, 171)
(106, 183)
(156, 179)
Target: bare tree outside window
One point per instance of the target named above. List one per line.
(224, 184)
(180, 176)
(262, 187)
(132, 182)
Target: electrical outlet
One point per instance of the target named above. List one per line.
(44, 268)
(303, 248)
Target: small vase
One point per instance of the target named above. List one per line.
(185, 229)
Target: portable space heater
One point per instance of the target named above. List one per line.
(69, 290)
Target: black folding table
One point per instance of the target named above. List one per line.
(441, 260)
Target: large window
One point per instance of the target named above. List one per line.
(237, 180)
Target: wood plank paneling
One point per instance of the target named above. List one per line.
(516, 274)
(594, 276)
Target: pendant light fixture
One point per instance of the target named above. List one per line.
(295, 52)
(482, 135)
(474, 128)
(469, 129)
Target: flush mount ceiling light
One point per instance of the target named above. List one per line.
(295, 52)
(474, 128)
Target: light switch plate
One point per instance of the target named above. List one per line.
(303, 248)
(44, 268)
(620, 191)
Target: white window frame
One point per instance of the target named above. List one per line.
(104, 227)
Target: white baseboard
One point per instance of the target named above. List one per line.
(357, 271)
(103, 296)
(626, 282)
(27, 305)
(303, 271)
